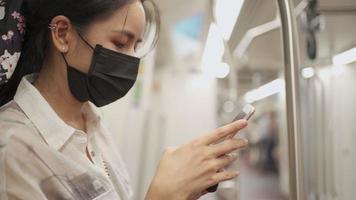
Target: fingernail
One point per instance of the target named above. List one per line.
(233, 154)
(237, 173)
(244, 122)
(245, 141)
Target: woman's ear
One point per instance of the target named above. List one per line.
(61, 33)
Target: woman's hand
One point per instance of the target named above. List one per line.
(186, 172)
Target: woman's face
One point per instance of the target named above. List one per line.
(120, 32)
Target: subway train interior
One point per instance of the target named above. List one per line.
(294, 61)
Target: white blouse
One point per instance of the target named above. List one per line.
(41, 157)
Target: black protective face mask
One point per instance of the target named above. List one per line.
(110, 77)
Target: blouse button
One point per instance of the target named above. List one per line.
(92, 153)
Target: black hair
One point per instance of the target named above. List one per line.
(38, 15)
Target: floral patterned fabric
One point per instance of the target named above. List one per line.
(12, 30)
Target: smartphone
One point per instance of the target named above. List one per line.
(246, 113)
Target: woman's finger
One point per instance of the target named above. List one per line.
(225, 160)
(220, 177)
(228, 146)
(217, 165)
(223, 132)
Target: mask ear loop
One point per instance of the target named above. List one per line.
(85, 41)
(65, 60)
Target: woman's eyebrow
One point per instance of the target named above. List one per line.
(128, 34)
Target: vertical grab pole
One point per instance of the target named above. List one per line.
(291, 59)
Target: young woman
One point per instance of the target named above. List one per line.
(77, 56)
